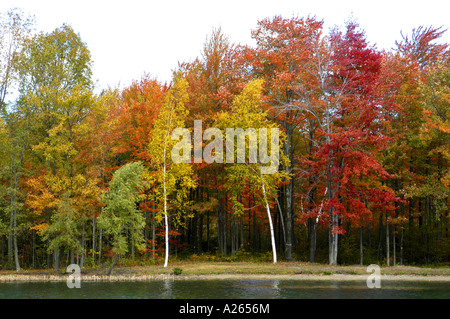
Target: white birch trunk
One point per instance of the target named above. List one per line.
(272, 235)
(166, 261)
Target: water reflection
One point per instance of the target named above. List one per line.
(226, 289)
(276, 289)
(264, 289)
(166, 289)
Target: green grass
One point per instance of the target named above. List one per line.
(191, 268)
(177, 271)
(198, 268)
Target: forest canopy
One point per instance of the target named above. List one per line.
(362, 174)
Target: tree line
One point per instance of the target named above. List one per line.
(362, 174)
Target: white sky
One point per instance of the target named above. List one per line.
(129, 38)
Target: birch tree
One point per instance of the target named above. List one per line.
(245, 171)
(173, 180)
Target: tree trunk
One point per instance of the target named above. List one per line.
(112, 265)
(333, 235)
(199, 236)
(236, 234)
(232, 234)
(272, 235)
(289, 196)
(220, 224)
(312, 221)
(380, 242)
(48, 255)
(283, 228)
(207, 231)
(3, 252)
(166, 220)
(312, 239)
(146, 229)
(388, 263)
(393, 246)
(241, 223)
(334, 218)
(93, 239)
(13, 222)
(225, 227)
(428, 227)
(361, 248)
(132, 247)
(401, 248)
(82, 259)
(153, 226)
(10, 243)
(16, 250)
(333, 239)
(33, 232)
(56, 259)
(100, 246)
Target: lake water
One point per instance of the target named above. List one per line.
(226, 289)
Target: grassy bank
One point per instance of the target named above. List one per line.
(235, 270)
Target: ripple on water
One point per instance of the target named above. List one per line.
(226, 289)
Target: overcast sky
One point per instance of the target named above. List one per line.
(128, 38)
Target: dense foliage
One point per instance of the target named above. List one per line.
(363, 174)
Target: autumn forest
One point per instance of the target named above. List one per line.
(363, 174)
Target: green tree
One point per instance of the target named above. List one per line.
(55, 97)
(63, 232)
(13, 147)
(120, 216)
(15, 29)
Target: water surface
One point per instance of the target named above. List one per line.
(226, 289)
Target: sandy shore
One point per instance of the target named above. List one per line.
(332, 277)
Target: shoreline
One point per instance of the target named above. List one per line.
(233, 271)
(15, 278)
